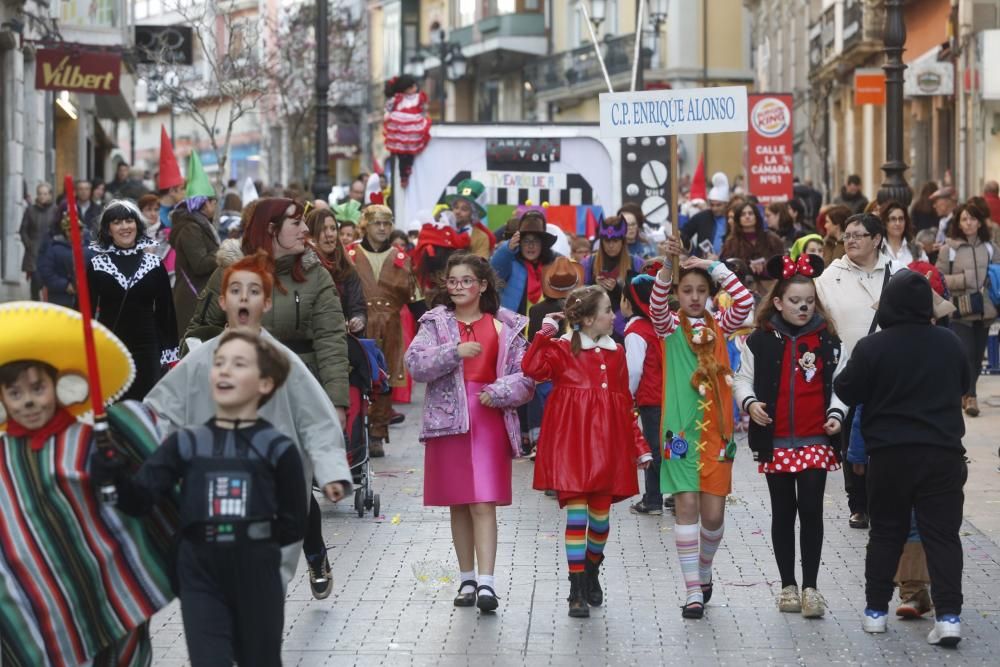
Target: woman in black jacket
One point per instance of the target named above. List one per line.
(130, 293)
(324, 230)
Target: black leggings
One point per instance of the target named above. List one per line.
(797, 493)
(313, 545)
(974, 336)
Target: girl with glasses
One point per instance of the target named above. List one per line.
(468, 350)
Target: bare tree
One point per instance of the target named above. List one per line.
(228, 78)
(292, 72)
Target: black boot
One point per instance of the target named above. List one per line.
(595, 596)
(578, 607)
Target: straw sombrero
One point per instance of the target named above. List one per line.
(45, 332)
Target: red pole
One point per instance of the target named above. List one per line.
(83, 290)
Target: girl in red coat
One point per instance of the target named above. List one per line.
(589, 441)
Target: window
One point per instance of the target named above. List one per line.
(466, 13)
(391, 27)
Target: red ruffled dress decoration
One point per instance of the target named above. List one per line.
(406, 129)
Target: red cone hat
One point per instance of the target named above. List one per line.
(170, 171)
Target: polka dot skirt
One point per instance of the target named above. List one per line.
(820, 457)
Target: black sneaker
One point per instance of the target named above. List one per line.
(668, 502)
(858, 520)
(642, 508)
(320, 577)
(397, 418)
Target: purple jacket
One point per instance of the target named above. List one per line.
(433, 358)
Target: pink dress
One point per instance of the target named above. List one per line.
(472, 467)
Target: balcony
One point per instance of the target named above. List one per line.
(579, 71)
(845, 36)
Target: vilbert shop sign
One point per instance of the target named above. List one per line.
(78, 71)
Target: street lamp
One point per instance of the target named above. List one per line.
(598, 12)
(321, 171)
(894, 185)
(452, 62)
(658, 10)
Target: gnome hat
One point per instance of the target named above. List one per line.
(473, 192)
(36, 331)
(170, 171)
(198, 184)
(373, 191)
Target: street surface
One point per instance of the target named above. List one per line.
(395, 578)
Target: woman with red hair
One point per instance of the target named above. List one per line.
(306, 316)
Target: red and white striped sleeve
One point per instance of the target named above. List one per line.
(735, 316)
(664, 319)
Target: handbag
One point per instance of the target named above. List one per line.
(973, 304)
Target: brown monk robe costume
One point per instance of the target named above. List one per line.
(388, 283)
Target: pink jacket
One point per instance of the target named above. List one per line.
(433, 358)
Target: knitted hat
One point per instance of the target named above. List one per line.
(800, 244)
(720, 187)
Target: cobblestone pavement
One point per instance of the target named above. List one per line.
(396, 577)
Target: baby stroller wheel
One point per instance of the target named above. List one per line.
(377, 506)
(369, 498)
(359, 505)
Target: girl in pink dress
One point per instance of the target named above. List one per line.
(468, 350)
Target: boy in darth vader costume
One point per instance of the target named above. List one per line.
(241, 500)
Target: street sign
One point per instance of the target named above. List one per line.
(769, 148)
(657, 113)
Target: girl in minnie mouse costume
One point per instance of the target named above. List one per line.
(785, 383)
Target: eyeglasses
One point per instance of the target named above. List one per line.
(531, 240)
(855, 236)
(464, 283)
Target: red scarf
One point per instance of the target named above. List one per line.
(59, 423)
(534, 282)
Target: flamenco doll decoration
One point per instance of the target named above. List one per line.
(406, 126)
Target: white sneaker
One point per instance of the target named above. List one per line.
(873, 621)
(789, 600)
(947, 631)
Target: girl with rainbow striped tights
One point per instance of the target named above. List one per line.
(589, 442)
(698, 445)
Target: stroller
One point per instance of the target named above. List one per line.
(369, 375)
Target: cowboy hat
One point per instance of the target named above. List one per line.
(561, 277)
(533, 222)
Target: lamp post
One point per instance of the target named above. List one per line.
(894, 185)
(453, 65)
(598, 12)
(321, 185)
(658, 10)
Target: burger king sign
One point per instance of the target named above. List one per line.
(769, 147)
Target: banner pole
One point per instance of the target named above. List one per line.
(675, 207)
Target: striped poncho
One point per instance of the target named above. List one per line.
(78, 580)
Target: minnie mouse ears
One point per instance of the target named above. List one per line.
(782, 267)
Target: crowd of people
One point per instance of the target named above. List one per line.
(637, 349)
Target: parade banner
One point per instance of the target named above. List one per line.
(92, 72)
(769, 148)
(658, 113)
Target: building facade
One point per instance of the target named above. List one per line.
(49, 134)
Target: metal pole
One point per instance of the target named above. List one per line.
(637, 54)
(597, 47)
(675, 208)
(894, 185)
(321, 171)
(442, 54)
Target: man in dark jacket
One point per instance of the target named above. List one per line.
(911, 378)
(851, 195)
(35, 224)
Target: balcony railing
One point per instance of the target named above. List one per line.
(862, 23)
(580, 66)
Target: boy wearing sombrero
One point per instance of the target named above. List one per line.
(469, 206)
(78, 582)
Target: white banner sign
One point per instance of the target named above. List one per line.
(655, 113)
(522, 180)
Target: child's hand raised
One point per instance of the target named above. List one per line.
(832, 426)
(758, 413)
(469, 350)
(697, 263)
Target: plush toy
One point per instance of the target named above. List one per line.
(709, 370)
